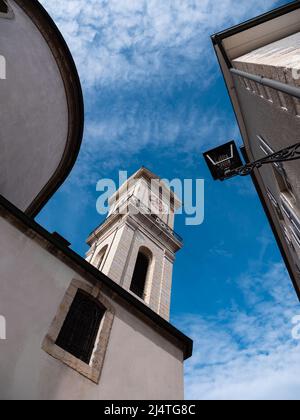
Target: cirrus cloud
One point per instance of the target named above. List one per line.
(247, 353)
(146, 41)
(145, 66)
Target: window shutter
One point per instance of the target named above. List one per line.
(79, 332)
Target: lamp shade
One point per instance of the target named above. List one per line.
(222, 160)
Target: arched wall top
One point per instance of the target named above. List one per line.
(56, 165)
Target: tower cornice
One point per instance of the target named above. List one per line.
(156, 227)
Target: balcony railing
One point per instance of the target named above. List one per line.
(146, 211)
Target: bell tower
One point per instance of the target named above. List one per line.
(136, 244)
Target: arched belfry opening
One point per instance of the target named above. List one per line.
(141, 273)
(79, 332)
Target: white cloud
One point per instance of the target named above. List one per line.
(220, 250)
(239, 354)
(139, 40)
(134, 131)
(249, 353)
(149, 128)
(129, 52)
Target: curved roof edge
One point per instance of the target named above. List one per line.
(70, 77)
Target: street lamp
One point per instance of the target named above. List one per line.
(224, 162)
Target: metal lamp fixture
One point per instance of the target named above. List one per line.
(225, 162)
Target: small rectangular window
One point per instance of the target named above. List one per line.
(292, 216)
(265, 147)
(287, 237)
(296, 237)
(80, 329)
(290, 212)
(279, 171)
(286, 210)
(272, 198)
(268, 150)
(275, 204)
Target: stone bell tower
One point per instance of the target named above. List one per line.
(136, 244)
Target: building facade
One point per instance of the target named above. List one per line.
(49, 295)
(133, 353)
(269, 120)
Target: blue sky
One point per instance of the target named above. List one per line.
(155, 97)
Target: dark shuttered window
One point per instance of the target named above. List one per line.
(79, 332)
(138, 282)
(3, 7)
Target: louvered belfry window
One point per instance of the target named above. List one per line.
(79, 332)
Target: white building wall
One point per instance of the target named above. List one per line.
(275, 118)
(33, 102)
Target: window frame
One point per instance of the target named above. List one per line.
(82, 351)
(275, 204)
(92, 370)
(293, 218)
(267, 150)
(295, 236)
(287, 237)
(272, 198)
(278, 167)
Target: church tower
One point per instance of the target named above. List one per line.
(136, 244)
